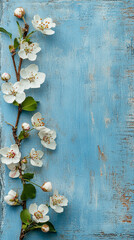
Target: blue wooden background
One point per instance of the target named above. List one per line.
(88, 99)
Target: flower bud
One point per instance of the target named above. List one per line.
(5, 76)
(25, 126)
(47, 187)
(45, 228)
(19, 12)
(24, 161)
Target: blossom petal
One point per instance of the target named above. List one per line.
(58, 209)
(20, 97)
(22, 54)
(33, 208)
(6, 87)
(40, 153)
(4, 151)
(43, 208)
(48, 31)
(25, 84)
(6, 160)
(41, 77)
(15, 148)
(9, 98)
(51, 145)
(36, 163)
(14, 174)
(32, 68)
(32, 56)
(44, 219)
(23, 73)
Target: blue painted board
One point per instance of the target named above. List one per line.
(88, 99)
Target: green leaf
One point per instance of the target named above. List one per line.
(29, 35)
(29, 104)
(15, 103)
(16, 43)
(4, 31)
(24, 226)
(23, 134)
(29, 191)
(28, 176)
(25, 217)
(20, 29)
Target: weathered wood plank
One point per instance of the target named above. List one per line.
(88, 99)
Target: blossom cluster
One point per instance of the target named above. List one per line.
(14, 93)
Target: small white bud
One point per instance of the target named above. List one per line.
(25, 126)
(5, 76)
(45, 228)
(19, 12)
(24, 160)
(47, 187)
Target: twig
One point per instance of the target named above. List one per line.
(15, 66)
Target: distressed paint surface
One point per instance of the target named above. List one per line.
(88, 98)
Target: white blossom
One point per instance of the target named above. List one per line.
(31, 78)
(19, 12)
(15, 173)
(47, 138)
(28, 50)
(39, 213)
(57, 202)
(25, 126)
(12, 198)
(10, 155)
(35, 157)
(13, 92)
(47, 187)
(5, 76)
(44, 25)
(37, 122)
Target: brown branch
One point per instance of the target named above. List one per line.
(19, 68)
(15, 65)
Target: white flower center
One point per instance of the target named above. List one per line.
(38, 214)
(32, 77)
(57, 201)
(13, 92)
(46, 139)
(43, 25)
(39, 122)
(11, 154)
(35, 156)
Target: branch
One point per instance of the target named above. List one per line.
(15, 65)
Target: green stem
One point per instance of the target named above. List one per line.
(32, 182)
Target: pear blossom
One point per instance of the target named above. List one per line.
(28, 50)
(44, 25)
(45, 228)
(47, 138)
(10, 155)
(15, 173)
(57, 202)
(5, 76)
(37, 122)
(19, 12)
(31, 78)
(12, 198)
(25, 126)
(35, 157)
(13, 92)
(39, 213)
(47, 187)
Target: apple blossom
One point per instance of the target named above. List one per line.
(47, 138)
(31, 78)
(35, 157)
(39, 213)
(10, 155)
(5, 76)
(47, 187)
(19, 12)
(57, 202)
(25, 126)
(44, 25)
(13, 92)
(45, 228)
(12, 198)
(37, 122)
(28, 50)
(14, 173)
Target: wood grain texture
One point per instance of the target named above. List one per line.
(88, 99)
